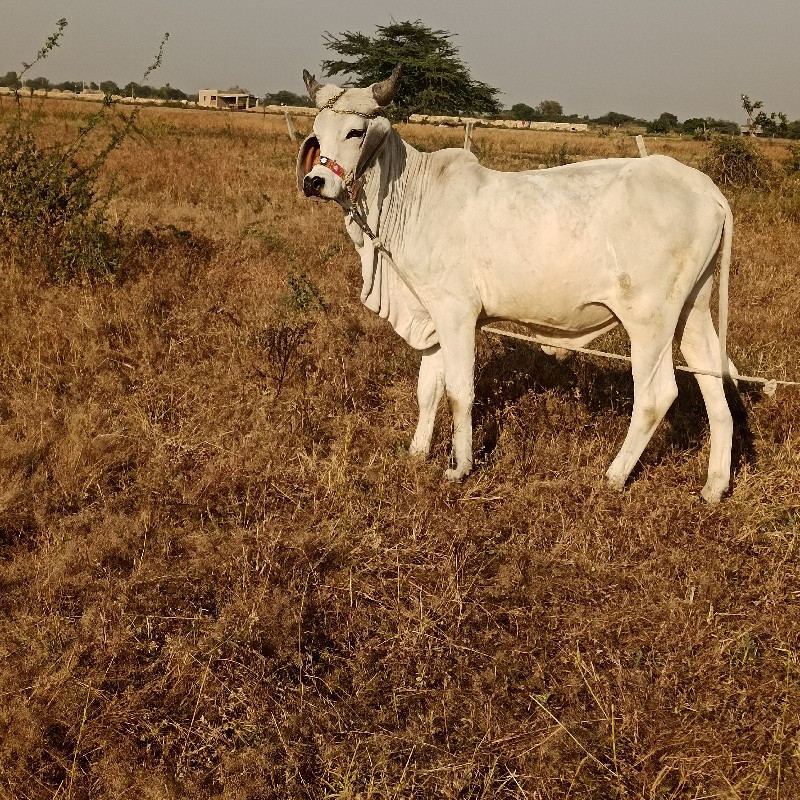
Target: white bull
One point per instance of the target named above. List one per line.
(571, 252)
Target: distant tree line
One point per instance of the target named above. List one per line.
(546, 111)
(758, 121)
(695, 126)
(11, 80)
(775, 124)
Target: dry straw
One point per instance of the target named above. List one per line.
(223, 578)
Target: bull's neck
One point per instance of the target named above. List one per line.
(389, 187)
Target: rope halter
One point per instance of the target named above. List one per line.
(329, 107)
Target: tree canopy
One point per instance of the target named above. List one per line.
(434, 79)
(36, 84)
(10, 80)
(109, 87)
(703, 126)
(664, 124)
(546, 110)
(286, 98)
(615, 118)
(550, 108)
(775, 123)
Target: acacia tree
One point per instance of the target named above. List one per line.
(434, 79)
(774, 123)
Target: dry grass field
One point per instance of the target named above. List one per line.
(222, 577)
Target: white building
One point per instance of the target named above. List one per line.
(233, 101)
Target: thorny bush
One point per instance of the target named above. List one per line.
(53, 201)
(738, 163)
(52, 214)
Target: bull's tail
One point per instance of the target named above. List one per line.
(724, 275)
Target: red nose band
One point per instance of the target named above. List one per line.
(335, 168)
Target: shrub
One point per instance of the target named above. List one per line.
(51, 213)
(52, 204)
(283, 340)
(793, 162)
(739, 163)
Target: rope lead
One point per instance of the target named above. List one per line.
(770, 385)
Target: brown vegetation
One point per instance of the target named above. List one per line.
(222, 577)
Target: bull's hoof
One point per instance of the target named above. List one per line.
(712, 494)
(615, 482)
(418, 452)
(456, 475)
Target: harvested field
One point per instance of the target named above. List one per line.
(222, 577)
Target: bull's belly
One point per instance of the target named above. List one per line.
(554, 282)
(558, 337)
(561, 311)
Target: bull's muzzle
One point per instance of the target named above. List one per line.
(312, 185)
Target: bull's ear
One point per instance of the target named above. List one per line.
(306, 158)
(375, 137)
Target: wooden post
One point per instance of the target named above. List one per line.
(468, 135)
(290, 126)
(640, 145)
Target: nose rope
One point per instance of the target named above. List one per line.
(348, 178)
(333, 166)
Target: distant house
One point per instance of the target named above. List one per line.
(233, 101)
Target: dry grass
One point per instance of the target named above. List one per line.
(222, 578)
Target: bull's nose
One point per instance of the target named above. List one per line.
(312, 185)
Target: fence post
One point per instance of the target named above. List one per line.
(640, 145)
(468, 135)
(290, 126)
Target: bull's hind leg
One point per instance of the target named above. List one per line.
(700, 347)
(456, 328)
(430, 388)
(654, 390)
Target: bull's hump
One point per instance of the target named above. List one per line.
(443, 160)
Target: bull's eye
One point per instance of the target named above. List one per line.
(355, 133)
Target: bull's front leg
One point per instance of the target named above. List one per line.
(430, 388)
(457, 340)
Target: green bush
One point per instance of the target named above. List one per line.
(52, 214)
(53, 207)
(739, 163)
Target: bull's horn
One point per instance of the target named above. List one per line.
(384, 91)
(312, 84)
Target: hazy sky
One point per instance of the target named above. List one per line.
(641, 57)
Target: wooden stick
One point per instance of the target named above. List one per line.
(640, 145)
(290, 126)
(468, 136)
